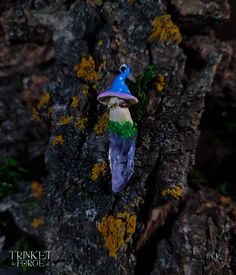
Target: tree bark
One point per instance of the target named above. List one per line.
(156, 224)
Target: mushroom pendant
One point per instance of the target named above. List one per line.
(122, 130)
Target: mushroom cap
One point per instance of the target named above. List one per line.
(118, 88)
(104, 97)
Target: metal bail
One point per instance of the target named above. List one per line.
(121, 67)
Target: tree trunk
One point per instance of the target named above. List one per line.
(156, 224)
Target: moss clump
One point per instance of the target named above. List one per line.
(10, 173)
(117, 230)
(126, 129)
(164, 30)
(143, 83)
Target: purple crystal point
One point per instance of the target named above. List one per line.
(121, 157)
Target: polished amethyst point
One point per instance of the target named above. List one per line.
(121, 157)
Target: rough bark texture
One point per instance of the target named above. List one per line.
(82, 215)
(199, 239)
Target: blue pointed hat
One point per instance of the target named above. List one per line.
(119, 88)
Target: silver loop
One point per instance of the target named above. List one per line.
(122, 66)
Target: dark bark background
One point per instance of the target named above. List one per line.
(177, 214)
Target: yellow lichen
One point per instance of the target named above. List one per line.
(102, 66)
(136, 202)
(160, 83)
(98, 170)
(58, 140)
(131, 225)
(121, 43)
(225, 199)
(75, 101)
(100, 43)
(50, 110)
(172, 191)
(37, 189)
(101, 125)
(86, 69)
(65, 120)
(117, 230)
(96, 2)
(81, 122)
(85, 90)
(35, 114)
(163, 29)
(131, 1)
(44, 99)
(36, 222)
(95, 87)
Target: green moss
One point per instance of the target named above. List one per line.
(10, 172)
(223, 188)
(126, 129)
(144, 81)
(30, 205)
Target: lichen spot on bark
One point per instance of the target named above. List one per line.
(86, 69)
(98, 170)
(101, 125)
(163, 29)
(174, 192)
(160, 83)
(117, 230)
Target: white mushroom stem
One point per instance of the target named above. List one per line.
(118, 110)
